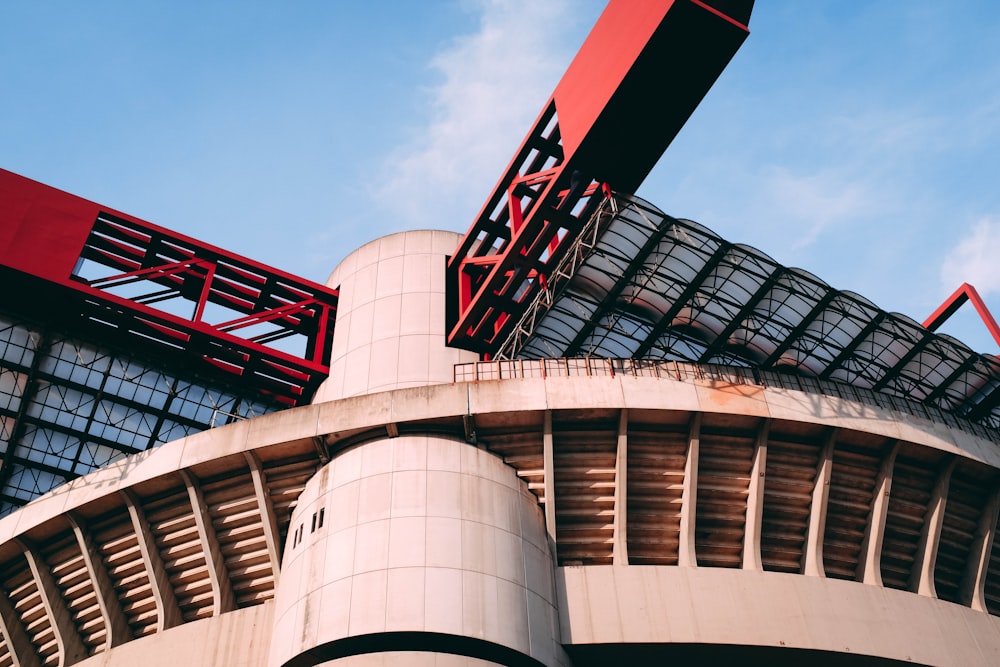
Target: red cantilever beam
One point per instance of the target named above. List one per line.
(76, 234)
(604, 124)
(964, 293)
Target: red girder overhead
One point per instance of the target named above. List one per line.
(965, 292)
(100, 272)
(604, 127)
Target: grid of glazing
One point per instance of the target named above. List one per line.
(68, 407)
(657, 287)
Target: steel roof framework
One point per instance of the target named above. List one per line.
(597, 131)
(68, 407)
(117, 335)
(662, 288)
(91, 271)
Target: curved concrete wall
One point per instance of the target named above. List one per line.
(391, 317)
(632, 464)
(666, 607)
(416, 543)
(220, 640)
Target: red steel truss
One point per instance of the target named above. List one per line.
(965, 292)
(121, 279)
(602, 128)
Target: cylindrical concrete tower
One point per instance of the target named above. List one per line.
(390, 318)
(422, 545)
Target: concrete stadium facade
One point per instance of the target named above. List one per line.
(432, 509)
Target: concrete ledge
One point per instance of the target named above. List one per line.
(682, 605)
(228, 639)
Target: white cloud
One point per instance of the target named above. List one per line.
(974, 259)
(494, 83)
(816, 202)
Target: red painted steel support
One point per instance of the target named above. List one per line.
(605, 125)
(964, 293)
(103, 271)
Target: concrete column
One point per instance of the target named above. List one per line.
(70, 645)
(620, 547)
(813, 564)
(870, 558)
(168, 612)
(20, 649)
(755, 501)
(222, 589)
(972, 590)
(686, 554)
(549, 465)
(268, 518)
(115, 624)
(922, 575)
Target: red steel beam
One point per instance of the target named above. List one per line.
(965, 292)
(55, 241)
(605, 126)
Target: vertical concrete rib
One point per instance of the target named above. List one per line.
(268, 518)
(813, 557)
(686, 554)
(20, 649)
(68, 640)
(222, 589)
(115, 624)
(972, 590)
(168, 612)
(755, 500)
(549, 465)
(620, 547)
(922, 575)
(870, 563)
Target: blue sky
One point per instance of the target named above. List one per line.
(859, 141)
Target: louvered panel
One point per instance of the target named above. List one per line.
(912, 484)
(119, 549)
(852, 491)
(585, 495)
(655, 485)
(992, 584)
(724, 465)
(255, 577)
(236, 519)
(69, 570)
(968, 496)
(788, 486)
(26, 600)
(6, 658)
(523, 452)
(285, 481)
(171, 519)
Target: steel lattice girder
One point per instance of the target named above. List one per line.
(599, 127)
(107, 276)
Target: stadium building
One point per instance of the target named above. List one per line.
(584, 433)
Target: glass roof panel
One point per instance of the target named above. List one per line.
(661, 288)
(68, 407)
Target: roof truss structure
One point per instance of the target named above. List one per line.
(109, 277)
(662, 288)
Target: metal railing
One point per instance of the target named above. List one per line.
(484, 371)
